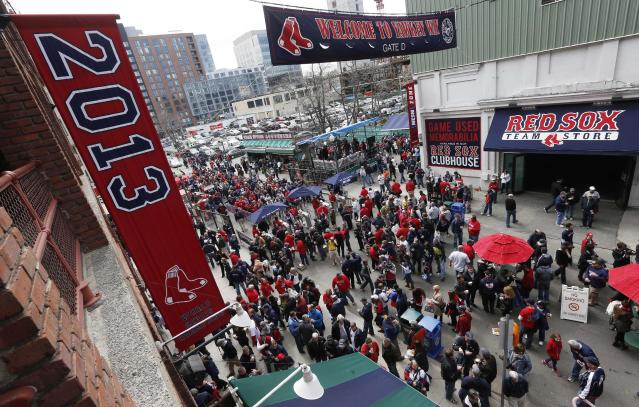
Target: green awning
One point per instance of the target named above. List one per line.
(269, 146)
(352, 380)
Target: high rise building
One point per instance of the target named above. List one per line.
(203, 47)
(136, 69)
(212, 98)
(354, 6)
(166, 62)
(251, 49)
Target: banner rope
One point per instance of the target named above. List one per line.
(268, 3)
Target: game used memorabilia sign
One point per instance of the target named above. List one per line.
(83, 63)
(574, 303)
(298, 36)
(454, 142)
(577, 129)
(411, 107)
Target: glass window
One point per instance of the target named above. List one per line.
(258, 103)
(250, 104)
(278, 99)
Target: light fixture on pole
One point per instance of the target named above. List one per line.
(307, 387)
(240, 320)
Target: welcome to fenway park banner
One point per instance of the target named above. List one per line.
(298, 36)
(454, 142)
(83, 63)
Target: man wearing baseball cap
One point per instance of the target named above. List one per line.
(590, 206)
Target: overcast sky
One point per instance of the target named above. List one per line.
(221, 20)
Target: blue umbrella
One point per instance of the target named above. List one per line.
(266, 211)
(341, 178)
(305, 191)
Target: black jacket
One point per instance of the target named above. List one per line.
(510, 204)
(489, 368)
(335, 330)
(449, 369)
(517, 388)
(316, 349)
(562, 258)
(367, 312)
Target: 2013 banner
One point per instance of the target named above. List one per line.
(83, 63)
(411, 107)
(454, 142)
(298, 36)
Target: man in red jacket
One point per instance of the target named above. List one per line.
(410, 188)
(343, 286)
(474, 227)
(470, 250)
(396, 188)
(370, 349)
(301, 250)
(528, 322)
(463, 321)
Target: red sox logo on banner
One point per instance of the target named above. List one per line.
(81, 60)
(552, 130)
(291, 38)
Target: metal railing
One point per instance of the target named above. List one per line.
(25, 195)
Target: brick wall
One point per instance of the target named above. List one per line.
(31, 131)
(42, 344)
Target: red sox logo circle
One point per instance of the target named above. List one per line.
(291, 39)
(573, 306)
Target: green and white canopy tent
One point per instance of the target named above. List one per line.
(352, 380)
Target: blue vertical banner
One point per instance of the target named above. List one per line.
(299, 36)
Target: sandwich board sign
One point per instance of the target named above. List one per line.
(574, 303)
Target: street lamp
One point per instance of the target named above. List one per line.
(307, 387)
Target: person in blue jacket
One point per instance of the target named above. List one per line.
(597, 276)
(591, 383)
(580, 351)
(391, 329)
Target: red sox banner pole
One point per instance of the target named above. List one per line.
(83, 63)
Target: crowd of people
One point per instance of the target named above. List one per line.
(403, 232)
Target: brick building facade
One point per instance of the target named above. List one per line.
(31, 131)
(43, 343)
(49, 227)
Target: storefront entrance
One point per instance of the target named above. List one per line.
(611, 175)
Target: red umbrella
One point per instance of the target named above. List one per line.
(501, 248)
(625, 279)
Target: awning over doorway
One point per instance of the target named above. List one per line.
(567, 129)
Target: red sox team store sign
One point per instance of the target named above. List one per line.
(578, 129)
(83, 63)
